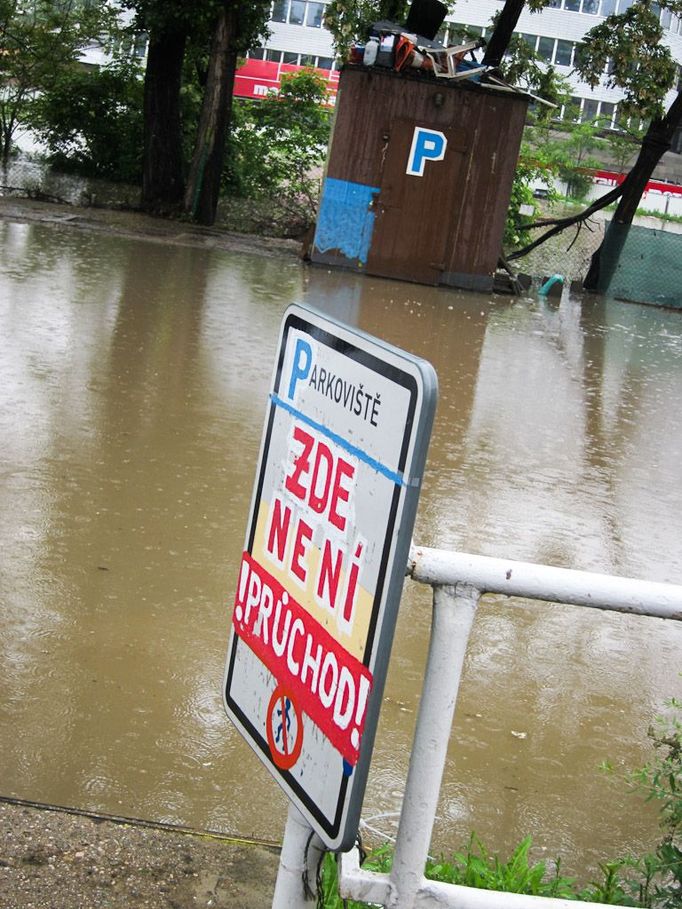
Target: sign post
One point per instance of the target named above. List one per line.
(337, 483)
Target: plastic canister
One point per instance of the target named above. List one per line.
(371, 51)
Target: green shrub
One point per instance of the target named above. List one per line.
(277, 147)
(657, 881)
(475, 866)
(91, 121)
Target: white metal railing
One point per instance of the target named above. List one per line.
(458, 582)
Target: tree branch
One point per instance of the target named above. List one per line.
(562, 223)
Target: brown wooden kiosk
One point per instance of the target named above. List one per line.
(419, 177)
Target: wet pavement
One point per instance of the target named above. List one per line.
(55, 859)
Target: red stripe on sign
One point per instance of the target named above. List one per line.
(327, 682)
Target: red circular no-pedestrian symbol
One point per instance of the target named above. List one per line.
(284, 726)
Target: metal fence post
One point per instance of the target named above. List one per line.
(302, 849)
(453, 615)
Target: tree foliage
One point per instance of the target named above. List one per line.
(351, 20)
(522, 68)
(623, 145)
(628, 48)
(174, 15)
(39, 40)
(527, 171)
(91, 121)
(569, 156)
(278, 145)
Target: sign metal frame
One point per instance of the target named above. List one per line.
(345, 457)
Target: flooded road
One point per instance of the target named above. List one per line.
(133, 379)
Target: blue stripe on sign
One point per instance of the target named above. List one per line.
(392, 475)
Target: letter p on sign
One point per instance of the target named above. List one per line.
(427, 145)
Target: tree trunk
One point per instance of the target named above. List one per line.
(503, 31)
(162, 174)
(203, 184)
(655, 143)
(8, 125)
(5, 147)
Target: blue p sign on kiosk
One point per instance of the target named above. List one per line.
(427, 145)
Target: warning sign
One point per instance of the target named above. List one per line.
(337, 483)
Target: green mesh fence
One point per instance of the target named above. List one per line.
(641, 265)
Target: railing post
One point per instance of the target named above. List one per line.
(453, 615)
(298, 861)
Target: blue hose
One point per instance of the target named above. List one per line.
(549, 283)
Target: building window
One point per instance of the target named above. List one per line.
(622, 122)
(288, 57)
(564, 53)
(280, 10)
(590, 109)
(461, 34)
(273, 56)
(325, 63)
(546, 49)
(297, 12)
(606, 112)
(573, 109)
(314, 15)
(140, 42)
(258, 53)
(593, 7)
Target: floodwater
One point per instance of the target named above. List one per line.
(133, 382)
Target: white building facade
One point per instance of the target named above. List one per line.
(555, 33)
(298, 37)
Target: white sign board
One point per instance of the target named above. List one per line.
(337, 483)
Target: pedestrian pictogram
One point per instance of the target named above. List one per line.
(285, 729)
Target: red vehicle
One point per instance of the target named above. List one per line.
(257, 78)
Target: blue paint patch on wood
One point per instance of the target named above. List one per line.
(346, 220)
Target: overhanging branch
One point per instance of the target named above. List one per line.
(562, 223)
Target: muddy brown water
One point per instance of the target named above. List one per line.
(133, 378)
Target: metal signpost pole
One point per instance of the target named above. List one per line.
(302, 851)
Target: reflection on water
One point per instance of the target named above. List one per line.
(133, 379)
